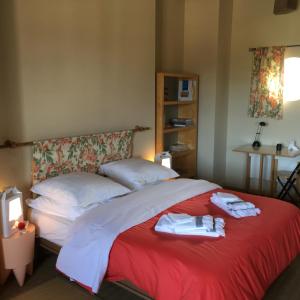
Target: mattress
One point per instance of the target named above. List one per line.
(52, 228)
(240, 266)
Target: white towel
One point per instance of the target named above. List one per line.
(202, 225)
(188, 222)
(233, 201)
(236, 208)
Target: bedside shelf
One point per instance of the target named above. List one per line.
(178, 154)
(175, 102)
(177, 129)
(168, 88)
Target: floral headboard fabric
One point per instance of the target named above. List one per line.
(84, 153)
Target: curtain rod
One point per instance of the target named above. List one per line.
(287, 46)
(10, 144)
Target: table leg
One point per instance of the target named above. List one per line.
(273, 176)
(20, 272)
(261, 170)
(248, 172)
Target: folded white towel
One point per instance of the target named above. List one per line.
(238, 205)
(188, 222)
(233, 201)
(180, 218)
(226, 197)
(202, 225)
(236, 208)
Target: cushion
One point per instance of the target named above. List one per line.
(79, 189)
(135, 173)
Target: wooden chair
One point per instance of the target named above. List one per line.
(288, 181)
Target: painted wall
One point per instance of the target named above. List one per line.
(254, 25)
(11, 162)
(76, 68)
(222, 92)
(194, 37)
(207, 35)
(170, 32)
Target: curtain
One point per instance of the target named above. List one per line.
(266, 93)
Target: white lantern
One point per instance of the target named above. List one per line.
(12, 210)
(164, 159)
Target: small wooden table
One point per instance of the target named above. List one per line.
(17, 253)
(262, 152)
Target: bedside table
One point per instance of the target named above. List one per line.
(17, 254)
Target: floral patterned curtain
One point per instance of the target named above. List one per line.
(266, 93)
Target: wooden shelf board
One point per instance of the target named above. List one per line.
(182, 153)
(175, 102)
(177, 129)
(180, 76)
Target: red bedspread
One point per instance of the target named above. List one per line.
(240, 266)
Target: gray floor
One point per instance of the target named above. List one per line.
(46, 284)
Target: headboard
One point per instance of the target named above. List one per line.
(83, 153)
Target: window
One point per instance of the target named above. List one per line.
(291, 91)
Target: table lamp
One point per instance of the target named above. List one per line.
(11, 210)
(256, 144)
(164, 159)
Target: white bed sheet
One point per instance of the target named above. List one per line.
(102, 225)
(52, 228)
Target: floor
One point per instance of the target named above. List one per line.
(47, 284)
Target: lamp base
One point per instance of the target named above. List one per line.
(256, 144)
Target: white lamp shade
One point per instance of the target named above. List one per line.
(11, 210)
(166, 162)
(15, 209)
(164, 159)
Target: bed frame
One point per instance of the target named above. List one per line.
(127, 285)
(118, 144)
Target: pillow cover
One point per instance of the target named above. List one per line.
(79, 189)
(54, 208)
(135, 173)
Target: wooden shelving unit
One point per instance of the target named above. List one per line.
(168, 106)
(177, 129)
(175, 102)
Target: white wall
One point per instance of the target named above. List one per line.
(221, 112)
(75, 67)
(254, 25)
(170, 32)
(201, 24)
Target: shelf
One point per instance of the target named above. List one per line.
(175, 102)
(182, 153)
(180, 76)
(169, 106)
(177, 129)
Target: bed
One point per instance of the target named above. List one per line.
(240, 266)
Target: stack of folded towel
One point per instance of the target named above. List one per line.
(189, 225)
(234, 205)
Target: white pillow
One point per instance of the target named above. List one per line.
(135, 172)
(79, 189)
(53, 207)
